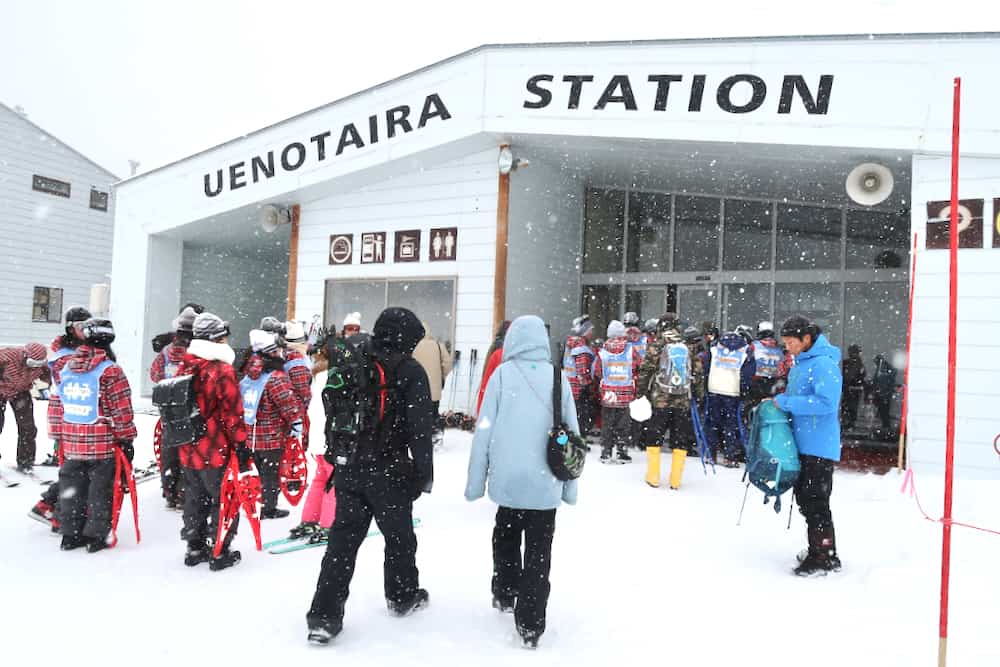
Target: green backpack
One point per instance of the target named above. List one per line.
(772, 456)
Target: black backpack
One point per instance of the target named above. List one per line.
(359, 399)
(180, 418)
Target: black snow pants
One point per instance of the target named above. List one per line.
(812, 493)
(267, 462)
(24, 415)
(86, 489)
(389, 502)
(585, 411)
(616, 430)
(171, 475)
(671, 428)
(202, 489)
(526, 579)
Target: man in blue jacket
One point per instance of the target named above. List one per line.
(509, 453)
(813, 400)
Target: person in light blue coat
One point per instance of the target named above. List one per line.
(509, 456)
(813, 400)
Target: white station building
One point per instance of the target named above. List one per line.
(708, 177)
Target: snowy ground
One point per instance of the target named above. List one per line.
(638, 575)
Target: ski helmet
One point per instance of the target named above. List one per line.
(77, 314)
(765, 330)
(631, 319)
(745, 331)
(650, 325)
(692, 334)
(98, 331)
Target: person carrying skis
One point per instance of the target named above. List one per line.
(670, 377)
(19, 368)
(616, 368)
(509, 451)
(272, 412)
(217, 394)
(770, 365)
(97, 419)
(62, 349)
(812, 399)
(578, 360)
(389, 465)
(165, 365)
(730, 368)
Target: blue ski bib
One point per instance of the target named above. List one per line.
(81, 393)
(56, 356)
(295, 363)
(617, 367)
(252, 391)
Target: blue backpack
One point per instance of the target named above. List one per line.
(772, 456)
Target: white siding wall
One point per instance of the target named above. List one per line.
(458, 193)
(47, 240)
(543, 256)
(978, 389)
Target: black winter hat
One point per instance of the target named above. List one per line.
(798, 326)
(77, 314)
(398, 329)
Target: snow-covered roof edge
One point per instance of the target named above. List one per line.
(114, 177)
(522, 45)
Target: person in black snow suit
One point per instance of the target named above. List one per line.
(381, 482)
(730, 369)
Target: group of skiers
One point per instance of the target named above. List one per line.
(700, 385)
(252, 405)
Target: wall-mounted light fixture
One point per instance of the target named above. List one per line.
(506, 162)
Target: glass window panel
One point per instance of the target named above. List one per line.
(875, 318)
(648, 232)
(348, 296)
(646, 303)
(747, 237)
(433, 301)
(697, 304)
(820, 302)
(877, 240)
(808, 238)
(696, 234)
(604, 231)
(55, 304)
(603, 304)
(747, 304)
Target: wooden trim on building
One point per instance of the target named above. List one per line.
(293, 262)
(500, 266)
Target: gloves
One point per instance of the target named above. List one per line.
(243, 456)
(420, 485)
(297, 430)
(127, 449)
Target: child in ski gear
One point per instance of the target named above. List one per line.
(730, 368)
(636, 338)
(97, 420)
(60, 351)
(298, 366)
(351, 325)
(382, 480)
(165, 365)
(670, 377)
(272, 412)
(578, 360)
(812, 399)
(509, 451)
(770, 366)
(209, 359)
(494, 357)
(616, 368)
(19, 368)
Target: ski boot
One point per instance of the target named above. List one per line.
(319, 536)
(196, 554)
(529, 638)
(273, 513)
(623, 456)
(419, 600)
(96, 544)
(50, 461)
(803, 556)
(304, 529)
(42, 512)
(70, 542)
(504, 606)
(226, 560)
(321, 632)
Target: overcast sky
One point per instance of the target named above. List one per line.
(155, 81)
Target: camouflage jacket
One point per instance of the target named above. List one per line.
(650, 366)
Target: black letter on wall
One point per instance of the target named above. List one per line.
(662, 88)
(236, 173)
(544, 96)
(209, 192)
(258, 165)
(726, 87)
(577, 81)
(797, 82)
(288, 166)
(434, 102)
(320, 141)
(626, 97)
(391, 119)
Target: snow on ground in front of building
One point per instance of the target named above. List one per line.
(638, 574)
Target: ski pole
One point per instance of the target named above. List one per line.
(746, 491)
(473, 357)
(454, 380)
(791, 507)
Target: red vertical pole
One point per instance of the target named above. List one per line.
(909, 341)
(949, 456)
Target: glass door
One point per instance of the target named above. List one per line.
(646, 302)
(697, 303)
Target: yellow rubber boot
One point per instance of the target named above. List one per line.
(653, 466)
(677, 468)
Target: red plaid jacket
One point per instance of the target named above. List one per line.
(615, 396)
(583, 360)
(301, 378)
(91, 442)
(277, 411)
(220, 403)
(174, 352)
(54, 413)
(15, 376)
